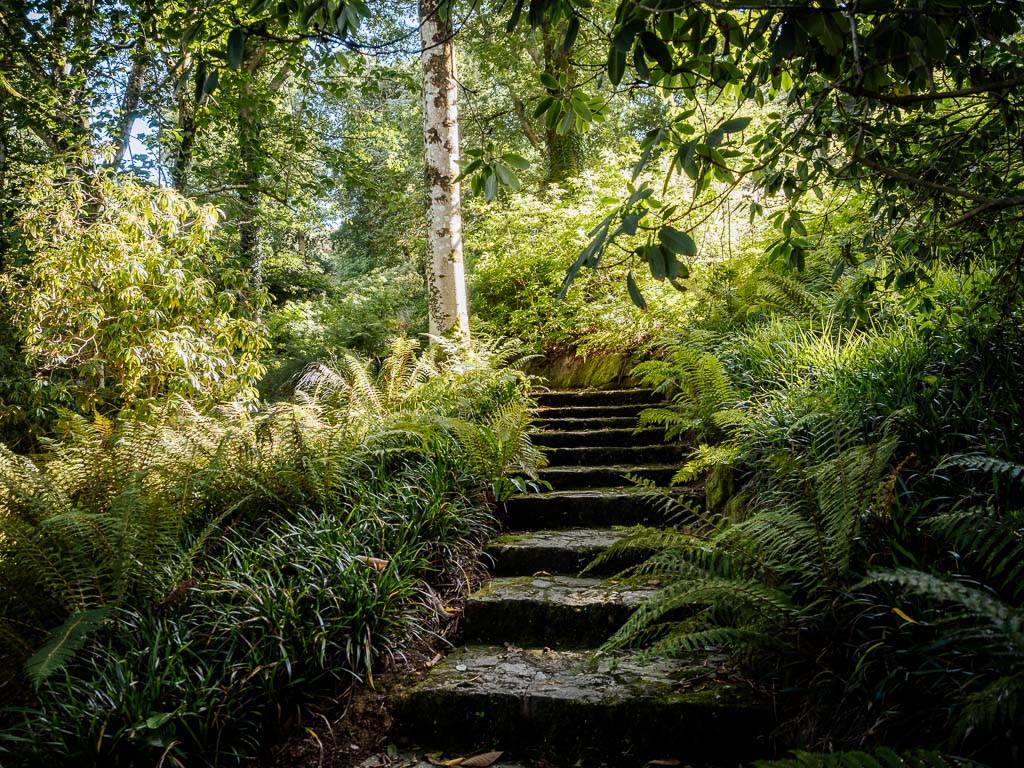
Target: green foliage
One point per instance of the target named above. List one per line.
(118, 301)
(516, 259)
(881, 758)
(180, 580)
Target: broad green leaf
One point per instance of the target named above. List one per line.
(677, 241)
(567, 123)
(582, 109)
(211, 82)
(616, 65)
(656, 50)
(236, 47)
(506, 176)
(571, 33)
(514, 18)
(634, 291)
(543, 106)
(549, 81)
(656, 261)
(491, 187)
(518, 162)
(734, 125)
(471, 168)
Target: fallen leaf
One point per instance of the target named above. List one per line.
(664, 761)
(482, 760)
(374, 562)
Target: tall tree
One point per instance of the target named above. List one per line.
(446, 283)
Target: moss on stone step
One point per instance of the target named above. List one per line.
(616, 711)
(550, 610)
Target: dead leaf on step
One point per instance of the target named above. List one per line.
(438, 761)
(477, 761)
(664, 761)
(374, 562)
(482, 760)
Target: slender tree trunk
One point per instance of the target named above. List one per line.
(184, 146)
(130, 102)
(249, 196)
(6, 212)
(446, 281)
(564, 151)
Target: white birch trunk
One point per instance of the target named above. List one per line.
(446, 279)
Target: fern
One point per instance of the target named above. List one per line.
(980, 462)
(976, 605)
(882, 758)
(991, 541)
(704, 458)
(64, 642)
(997, 706)
(699, 384)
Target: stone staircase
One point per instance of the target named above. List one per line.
(525, 680)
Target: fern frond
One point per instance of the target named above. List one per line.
(679, 643)
(882, 758)
(703, 458)
(641, 539)
(998, 706)
(992, 541)
(749, 603)
(64, 642)
(980, 462)
(976, 604)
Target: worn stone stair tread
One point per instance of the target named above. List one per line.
(603, 507)
(552, 610)
(563, 700)
(571, 424)
(590, 411)
(615, 455)
(615, 436)
(565, 550)
(564, 478)
(595, 396)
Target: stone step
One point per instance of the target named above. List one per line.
(553, 611)
(571, 397)
(565, 551)
(610, 476)
(577, 425)
(595, 437)
(595, 507)
(561, 705)
(591, 411)
(599, 456)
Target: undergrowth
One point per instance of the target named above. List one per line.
(865, 563)
(174, 587)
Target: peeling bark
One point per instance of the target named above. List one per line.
(446, 283)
